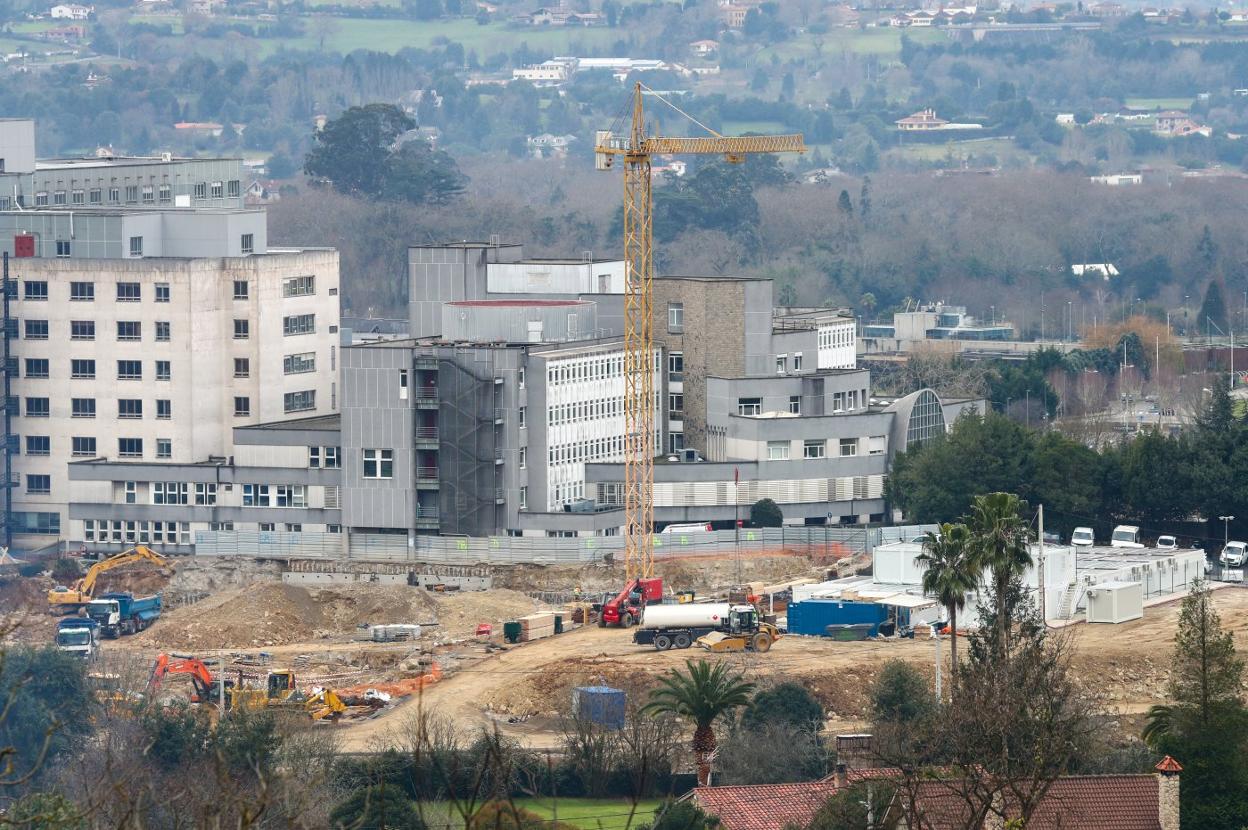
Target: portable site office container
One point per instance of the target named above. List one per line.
(813, 616)
(1115, 602)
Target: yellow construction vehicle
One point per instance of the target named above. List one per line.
(68, 599)
(279, 688)
(324, 704)
(745, 632)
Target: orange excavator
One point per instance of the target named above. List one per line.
(205, 684)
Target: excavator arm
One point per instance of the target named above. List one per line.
(201, 677)
(84, 589)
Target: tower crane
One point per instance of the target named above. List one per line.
(637, 150)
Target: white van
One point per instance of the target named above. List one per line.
(1234, 554)
(690, 527)
(1167, 543)
(1082, 537)
(1126, 536)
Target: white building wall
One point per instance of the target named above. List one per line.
(837, 345)
(200, 352)
(585, 419)
(537, 277)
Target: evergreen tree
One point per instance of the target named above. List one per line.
(844, 204)
(1212, 316)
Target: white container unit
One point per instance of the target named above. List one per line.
(1115, 602)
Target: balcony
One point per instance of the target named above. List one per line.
(427, 397)
(500, 496)
(427, 517)
(426, 477)
(426, 362)
(427, 438)
(499, 413)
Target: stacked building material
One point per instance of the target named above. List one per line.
(536, 626)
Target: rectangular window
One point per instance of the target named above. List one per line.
(849, 447)
(35, 290)
(130, 408)
(95, 195)
(136, 246)
(797, 362)
(795, 404)
(130, 447)
(149, 194)
(218, 190)
(524, 498)
(162, 292)
(233, 188)
(247, 243)
(242, 329)
(676, 367)
(81, 329)
(131, 493)
(314, 457)
(36, 329)
(38, 445)
(524, 457)
(41, 199)
(299, 286)
(38, 485)
(782, 364)
(333, 458)
(82, 369)
(378, 463)
(62, 251)
(749, 406)
(402, 384)
(114, 195)
(164, 409)
(777, 450)
(205, 493)
(521, 412)
(242, 407)
(294, 364)
(129, 330)
(676, 405)
(201, 190)
(129, 370)
(164, 448)
(675, 317)
(129, 292)
(299, 401)
(38, 407)
(166, 194)
(83, 446)
(82, 292)
(242, 367)
(58, 197)
(290, 495)
(299, 324)
(132, 193)
(37, 367)
(877, 445)
(163, 370)
(241, 291)
(83, 407)
(853, 399)
(77, 197)
(814, 448)
(170, 492)
(838, 401)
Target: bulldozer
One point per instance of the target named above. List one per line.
(745, 631)
(324, 704)
(279, 688)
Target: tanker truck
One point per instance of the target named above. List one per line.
(679, 626)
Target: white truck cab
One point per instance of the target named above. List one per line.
(1126, 536)
(1082, 537)
(1234, 554)
(1167, 543)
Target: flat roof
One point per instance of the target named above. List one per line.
(560, 261)
(120, 161)
(713, 279)
(333, 421)
(518, 303)
(81, 210)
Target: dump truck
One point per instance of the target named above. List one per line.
(625, 608)
(68, 599)
(678, 626)
(746, 631)
(80, 636)
(124, 613)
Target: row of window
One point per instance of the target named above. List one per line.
(84, 292)
(275, 495)
(841, 402)
(578, 411)
(132, 532)
(83, 446)
(179, 492)
(588, 368)
(836, 336)
(148, 194)
(327, 458)
(813, 448)
(782, 363)
(607, 448)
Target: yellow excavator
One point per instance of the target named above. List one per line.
(69, 599)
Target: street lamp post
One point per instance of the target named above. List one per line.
(1226, 520)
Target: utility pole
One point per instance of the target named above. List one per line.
(937, 639)
(1044, 583)
(1226, 528)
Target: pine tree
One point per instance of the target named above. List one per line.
(845, 205)
(1207, 673)
(1212, 314)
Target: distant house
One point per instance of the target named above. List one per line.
(1066, 119)
(1087, 269)
(675, 167)
(1107, 10)
(202, 128)
(733, 15)
(543, 74)
(72, 32)
(1167, 120)
(560, 16)
(71, 11)
(260, 192)
(702, 48)
(550, 146)
(1118, 179)
(1176, 124)
(921, 121)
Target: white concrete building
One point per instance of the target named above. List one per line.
(71, 11)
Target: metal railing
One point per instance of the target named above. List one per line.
(427, 433)
(426, 473)
(426, 512)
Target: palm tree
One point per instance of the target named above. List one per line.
(999, 537)
(951, 574)
(700, 694)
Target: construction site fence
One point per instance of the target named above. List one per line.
(818, 541)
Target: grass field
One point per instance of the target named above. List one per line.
(999, 147)
(1158, 103)
(585, 813)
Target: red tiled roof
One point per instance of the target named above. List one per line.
(1089, 802)
(772, 806)
(1168, 764)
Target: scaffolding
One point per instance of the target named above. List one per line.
(470, 418)
(10, 404)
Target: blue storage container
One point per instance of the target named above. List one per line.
(813, 616)
(602, 705)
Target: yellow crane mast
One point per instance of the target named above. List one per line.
(638, 149)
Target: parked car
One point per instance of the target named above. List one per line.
(1082, 536)
(1167, 543)
(1234, 554)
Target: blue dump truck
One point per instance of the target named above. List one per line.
(124, 613)
(79, 635)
